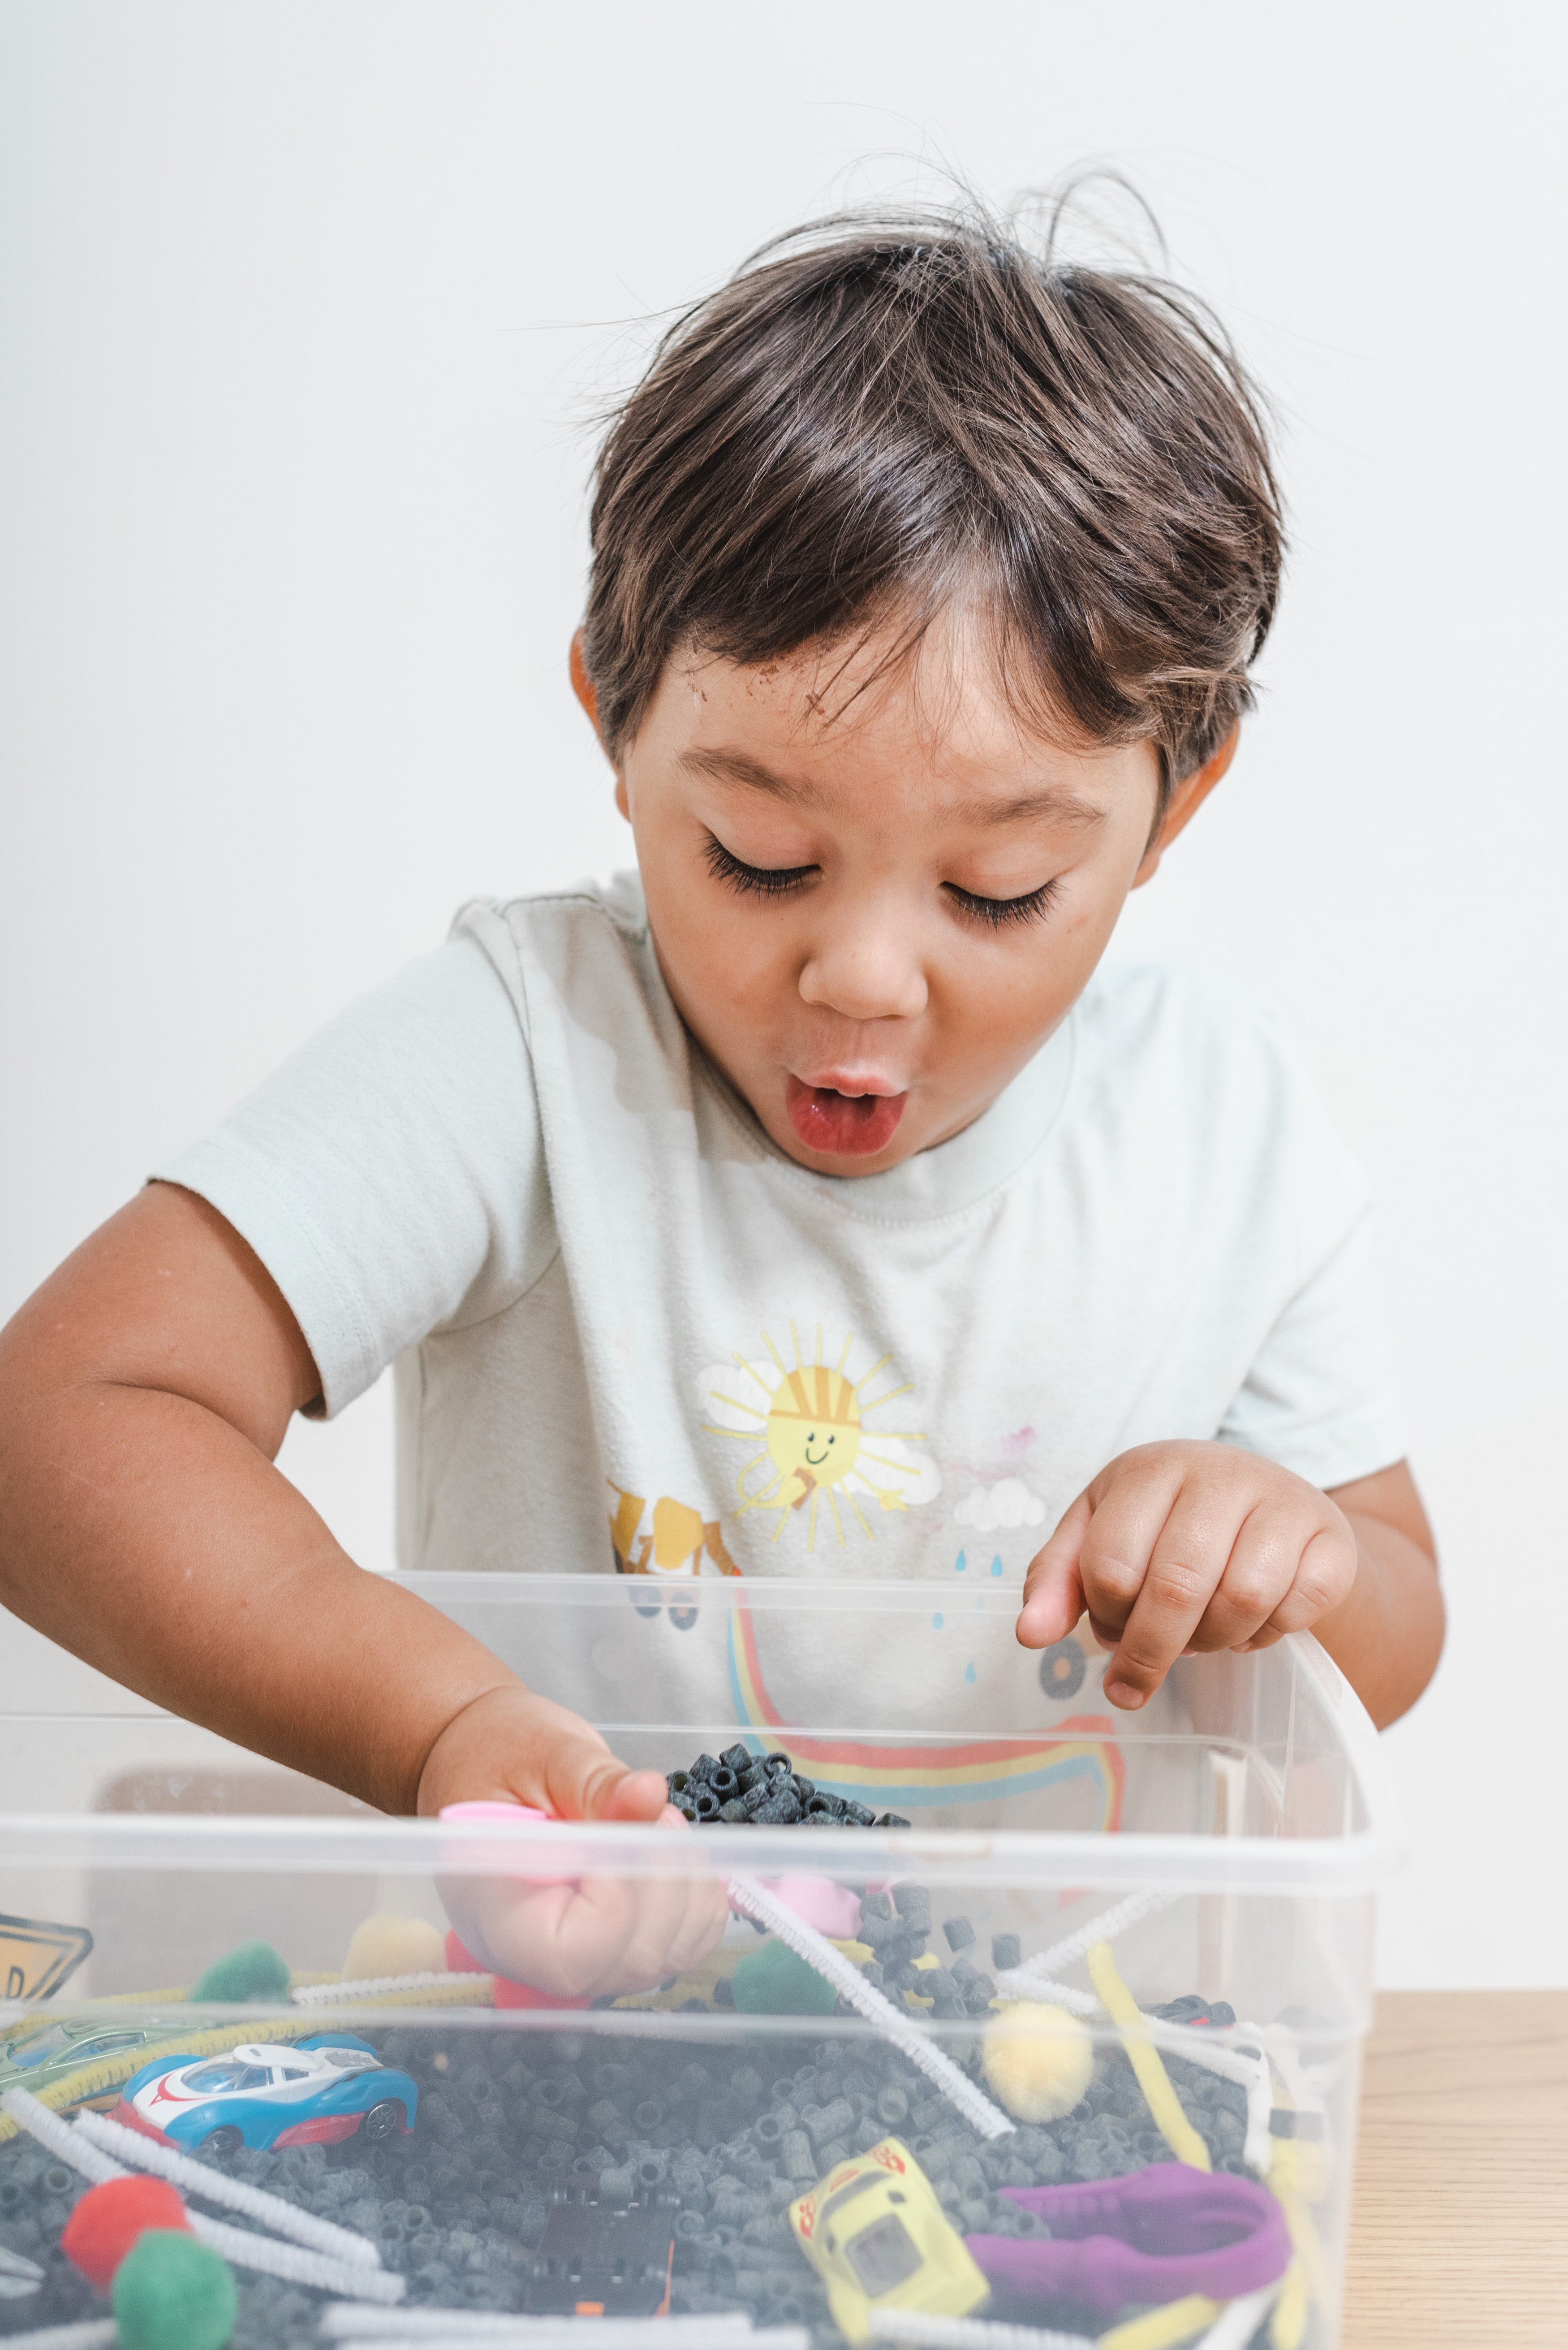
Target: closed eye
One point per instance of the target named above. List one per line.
(997, 913)
(755, 880)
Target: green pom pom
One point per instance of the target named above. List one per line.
(775, 1982)
(252, 1971)
(171, 2293)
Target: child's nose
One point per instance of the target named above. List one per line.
(866, 970)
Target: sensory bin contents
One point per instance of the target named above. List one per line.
(743, 1789)
(987, 1998)
(664, 2161)
(711, 2144)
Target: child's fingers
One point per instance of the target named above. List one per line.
(1258, 1574)
(1133, 1502)
(542, 1935)
(656, 1929)
(602, 1934)
(1324, 1572)
(677, 1923)
(707, 1915)
(579, 1945)
(1185, 1561)
(1052, 1588)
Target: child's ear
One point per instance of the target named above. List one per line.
(1186, 800)
(583, 687)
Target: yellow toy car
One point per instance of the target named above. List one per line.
(878, 2237)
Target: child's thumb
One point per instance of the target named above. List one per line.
(584, 1781)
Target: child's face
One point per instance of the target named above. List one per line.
(872, 911)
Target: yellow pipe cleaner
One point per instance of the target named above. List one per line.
(1144, 2057)
(95, 2080)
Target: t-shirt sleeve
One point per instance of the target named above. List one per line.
(1321, 1396)
(390, 1175)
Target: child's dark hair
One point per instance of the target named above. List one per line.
(875, 417)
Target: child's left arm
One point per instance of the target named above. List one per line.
(1183, 1548)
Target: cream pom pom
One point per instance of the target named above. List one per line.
(385, 1945)
(1037, 2059)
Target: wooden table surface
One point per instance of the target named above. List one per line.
(1459, 2235)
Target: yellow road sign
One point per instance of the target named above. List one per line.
(35, 1957)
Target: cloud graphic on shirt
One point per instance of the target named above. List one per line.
(1008, 1503)
(729, 1392)
(919, 1478)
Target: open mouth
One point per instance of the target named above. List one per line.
(840, 1124)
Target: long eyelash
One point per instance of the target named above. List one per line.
(1001, 914)
(754, 880)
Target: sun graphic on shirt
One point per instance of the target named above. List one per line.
(813, 1436)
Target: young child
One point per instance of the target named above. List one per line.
(815, 1194)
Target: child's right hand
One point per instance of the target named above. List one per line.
(596, 1934)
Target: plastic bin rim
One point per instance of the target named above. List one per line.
(765, 1596)
(611, 1592)
(390, 1847)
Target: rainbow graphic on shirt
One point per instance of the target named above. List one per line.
(915, 1775)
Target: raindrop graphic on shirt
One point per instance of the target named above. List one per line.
(968, 1670)
(960, 1563)
(996, 1566)
(814, 1429)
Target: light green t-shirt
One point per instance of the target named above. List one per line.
(629, 1333)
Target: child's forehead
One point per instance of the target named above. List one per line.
(943, 680)
(935, 712)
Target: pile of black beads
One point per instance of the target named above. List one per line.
(738, 1787)
(956, 1987)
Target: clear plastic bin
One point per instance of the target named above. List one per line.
(662, 2151)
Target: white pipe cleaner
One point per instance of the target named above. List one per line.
(806, 1943)
(446, 2329)
(608, 2334)
(293, 2263)
(1031, 1981)
(1258, 2152)
(1240, 2320)
(1016, 1982)
(18, 2275)
(237, 2245)
(1285, 2049)
(337, 1994)
(216, 2187)
(89, 2335)
(59, 2137)
(927, 2333)
(1103, 1928)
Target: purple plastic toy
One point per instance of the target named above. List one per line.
(1149, 2237)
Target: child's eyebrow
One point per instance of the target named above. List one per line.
(1050, 804)
(740, 767)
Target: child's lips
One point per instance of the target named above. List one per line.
(842, 1125)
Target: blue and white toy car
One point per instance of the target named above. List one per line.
(311, 2094)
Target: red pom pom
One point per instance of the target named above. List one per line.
(506, 1994)
(458, 1960)
(109, 2220)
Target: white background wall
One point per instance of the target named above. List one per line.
(303, 308)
